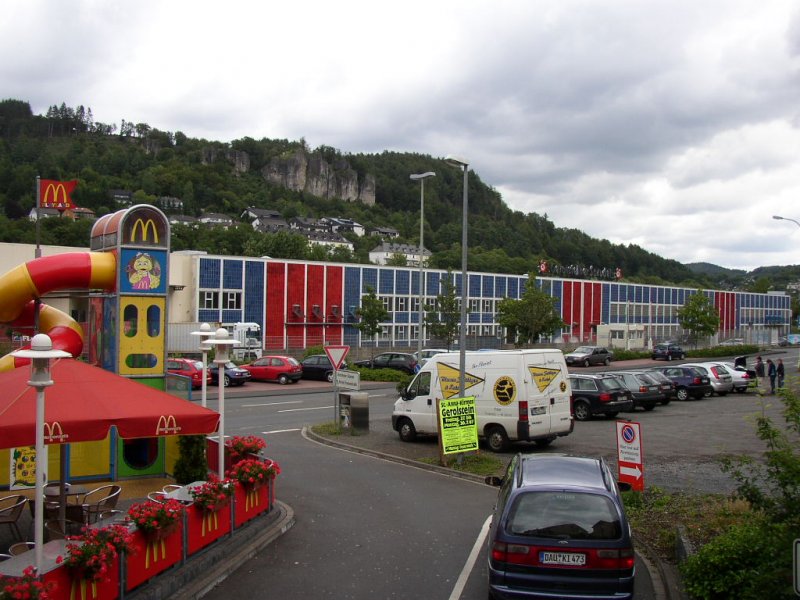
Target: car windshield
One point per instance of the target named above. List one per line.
(564, 515)
(583, 350)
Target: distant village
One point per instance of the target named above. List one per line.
(325, 231)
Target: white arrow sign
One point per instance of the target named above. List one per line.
(336, 355)
(634, 472)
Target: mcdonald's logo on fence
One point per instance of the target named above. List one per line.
(167, 425)
(144, 228)
(56, 194)
(54, 433)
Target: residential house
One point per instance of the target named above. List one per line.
(216, 219)
(306, 224)
(386, 233)
(382, 254)
(183, 220)
(342, 225)
(329, 239)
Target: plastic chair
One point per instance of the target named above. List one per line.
(11, 508)
(4, 557)
(20, 548)
(157, 496)
(97, 501)
(171, 487)
(55, 530)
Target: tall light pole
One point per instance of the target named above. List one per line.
(421, 177)
(204, 333)
(785, 219)
(40, 353)
(222, 343)
(462, 338)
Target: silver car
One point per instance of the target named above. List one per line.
(718, 375)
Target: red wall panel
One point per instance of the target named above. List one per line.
(275, 313)
(334, 289)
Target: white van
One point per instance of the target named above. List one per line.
(520, 395)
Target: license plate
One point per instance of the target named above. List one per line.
(562, 558)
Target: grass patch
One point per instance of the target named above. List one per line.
(477, 464)
(332, 429)
(655, 514)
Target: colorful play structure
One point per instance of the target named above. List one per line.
(125, 275)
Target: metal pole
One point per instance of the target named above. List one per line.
(420, 334)
(38, 251)
(221, 449)
(41, 480)
(462, 340)
(204, 385)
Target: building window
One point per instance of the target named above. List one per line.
(474, 306)
(209, 300)
(401, 304)
(488, 306)
(233, 300)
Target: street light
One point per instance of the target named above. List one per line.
(462, 338)
(40, 353)
(204, 333)
(785, 219)
(421, 177)
(222, 343)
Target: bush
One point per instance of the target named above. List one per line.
(191, 464)
(368, 374)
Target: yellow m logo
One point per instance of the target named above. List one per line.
(167, 425)
(144, 228)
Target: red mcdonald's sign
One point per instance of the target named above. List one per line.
(56, 194)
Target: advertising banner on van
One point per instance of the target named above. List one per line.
(458, 425)
(450, 380)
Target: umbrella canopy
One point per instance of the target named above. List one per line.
(85, 401)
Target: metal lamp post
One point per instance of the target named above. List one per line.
(462, 339)
(222, 343)
(785, 219)
(421, 177)
(40, 353)
(205, 332)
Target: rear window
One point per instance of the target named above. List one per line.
(609, 384)
(293, 361)
(564, 515)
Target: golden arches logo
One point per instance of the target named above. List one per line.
(167, 425)
(144, 227)
(56, 196)
(54, 433)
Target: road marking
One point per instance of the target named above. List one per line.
(280, 431)
(471, 559)
(299, 409)
(272, 404)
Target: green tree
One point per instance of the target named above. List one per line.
(761, 285)
(530, 317)
(370, 315)
(397, 260)
(698, 316)
(443, 317)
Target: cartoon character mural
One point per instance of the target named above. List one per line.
(144, 273)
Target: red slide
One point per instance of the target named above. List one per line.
(20, 287)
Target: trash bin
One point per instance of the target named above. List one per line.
(354, 410)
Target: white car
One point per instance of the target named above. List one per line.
(423, 356)
(741, 378)
(718, 375)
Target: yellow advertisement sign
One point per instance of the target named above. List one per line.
(458, 425)
(449, 380)
(23, 468)
(543, 376)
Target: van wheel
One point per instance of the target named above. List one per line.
(582, 410)
(407, 431)
(497, 439)
(682, 394)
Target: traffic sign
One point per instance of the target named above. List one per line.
(336, 355)
(629, 454)
(348, 380)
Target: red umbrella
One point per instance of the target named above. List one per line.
(85, 401)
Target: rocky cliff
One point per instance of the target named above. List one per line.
(313, 174)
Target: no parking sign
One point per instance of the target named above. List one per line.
(630, 454)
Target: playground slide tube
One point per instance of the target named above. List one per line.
(23, 285)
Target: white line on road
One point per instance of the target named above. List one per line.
(280, 431)
(471, 559)
(272, 404)
(298, 409)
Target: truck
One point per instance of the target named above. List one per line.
(180, 339)
(520, 395)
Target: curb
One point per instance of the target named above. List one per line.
(665, 581)
(212, 565)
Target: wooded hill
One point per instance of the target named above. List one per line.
(207, 176)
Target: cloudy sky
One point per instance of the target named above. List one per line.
(674, 125)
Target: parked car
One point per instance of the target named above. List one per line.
(742, 378)
(283, 369)
(598, 394)
(645, 390)
(689, 382)
(668, 352)
(733, 342)
(318, 366)
(234, 375)
(559, 528)
(193, 369)
(401, 361)
(719, 377)
(589, 355)
(665, 384)
(426, 353)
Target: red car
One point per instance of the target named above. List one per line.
(189, 368)
(283, 369)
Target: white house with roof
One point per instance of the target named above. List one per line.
(329, 239)
(387, 233)
(382, 254)
(342, 225)
(216, 219)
